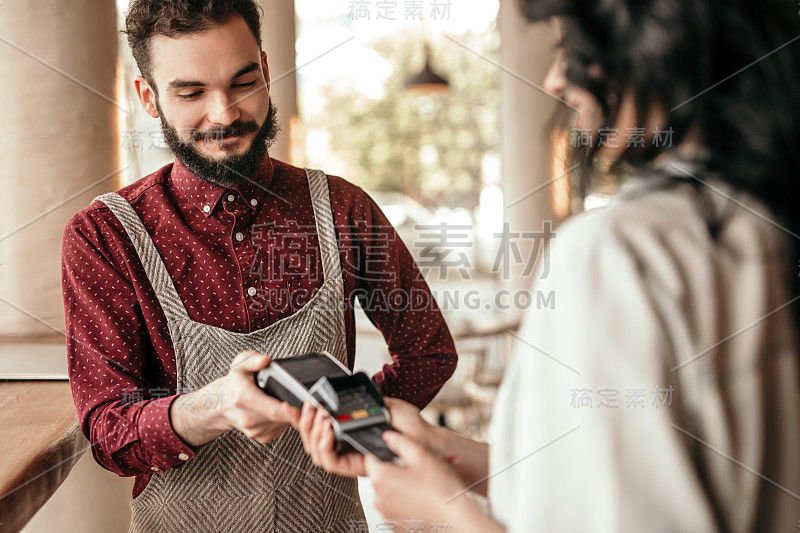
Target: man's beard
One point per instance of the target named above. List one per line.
(231, 170)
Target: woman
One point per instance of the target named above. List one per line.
(677, 403)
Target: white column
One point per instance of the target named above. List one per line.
(59, 148)
(58, 64)
(278, 40)
(526, 53)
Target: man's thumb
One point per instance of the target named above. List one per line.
(250, 361)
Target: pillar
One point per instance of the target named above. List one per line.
(278, 40)
(58, 148)
(526, 53)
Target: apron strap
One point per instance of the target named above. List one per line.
(153, 264)
(157, 273)
(326, 229)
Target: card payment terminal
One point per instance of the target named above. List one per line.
(352, 402)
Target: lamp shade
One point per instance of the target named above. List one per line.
(427, 80)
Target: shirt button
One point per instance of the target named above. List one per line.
(154, 468)
(254, 202)
(252, 291)
(231, 198)
(206, 208)
(239, 236)
(183, 457)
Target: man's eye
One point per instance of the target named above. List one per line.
(244, 85)
(188, 96)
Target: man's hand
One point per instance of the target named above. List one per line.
(237, 404)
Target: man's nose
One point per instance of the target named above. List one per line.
(224, 109)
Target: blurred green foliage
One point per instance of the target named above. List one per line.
(430, 147)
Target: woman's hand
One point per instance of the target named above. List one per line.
(406, 419)
(319, 442)
(318, 438)
(426, 488)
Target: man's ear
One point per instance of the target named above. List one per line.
(147, 96)
(266, 67)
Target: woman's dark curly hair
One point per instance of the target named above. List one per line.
(148, 18)
(724, 72)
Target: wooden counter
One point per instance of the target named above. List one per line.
(40, 441)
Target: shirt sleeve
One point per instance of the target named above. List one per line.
(583, 436)
(398, 301)
(123, 410)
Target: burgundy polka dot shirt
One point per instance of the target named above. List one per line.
(241, 259)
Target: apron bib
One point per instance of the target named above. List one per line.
(234, 483)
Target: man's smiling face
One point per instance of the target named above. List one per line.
(213, 100)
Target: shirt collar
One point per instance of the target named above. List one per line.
(205, 196)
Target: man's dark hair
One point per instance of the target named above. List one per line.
(148, 18)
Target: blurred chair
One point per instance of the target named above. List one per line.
(465, 402)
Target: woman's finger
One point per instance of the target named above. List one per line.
(316, 433)
(406, 449)
(304, 425)
(325, 446)
(375, 467)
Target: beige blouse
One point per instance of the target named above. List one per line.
(662, 393)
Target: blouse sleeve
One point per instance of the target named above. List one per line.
(583, 436)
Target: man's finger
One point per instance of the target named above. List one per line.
(266, 406)
(269, 434)
(241, 356)
(250, 361)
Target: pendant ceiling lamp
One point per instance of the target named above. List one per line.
(427, 80)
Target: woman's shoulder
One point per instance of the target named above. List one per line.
(673, 239)
(678, 217)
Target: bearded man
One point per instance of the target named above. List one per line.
(175, 287)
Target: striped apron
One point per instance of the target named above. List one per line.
(234, 483)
